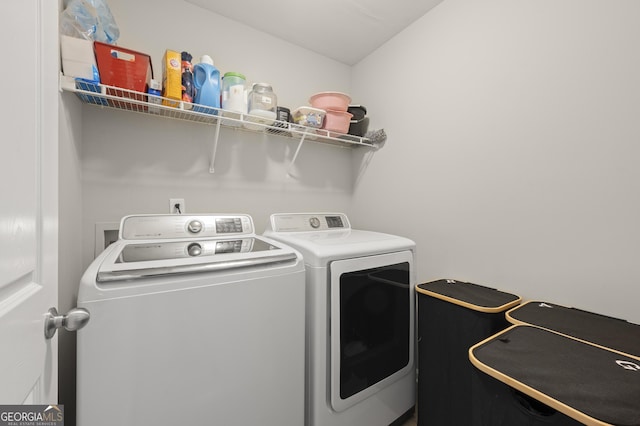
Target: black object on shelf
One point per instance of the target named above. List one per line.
(452, 317)
(359, 123)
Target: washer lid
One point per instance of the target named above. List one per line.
(128, 260)
(171, 250)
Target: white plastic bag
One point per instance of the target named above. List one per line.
(89, 19)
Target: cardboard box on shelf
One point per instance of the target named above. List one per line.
(171, 78)
(78, 59)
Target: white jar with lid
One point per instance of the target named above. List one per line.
(262, 104)
(234, 96)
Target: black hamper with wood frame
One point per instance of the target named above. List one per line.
(452, 317)
(611, 333)
(530, 376)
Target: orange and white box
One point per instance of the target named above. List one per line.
(171, 78)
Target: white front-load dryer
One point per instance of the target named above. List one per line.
(195, 320)
(360, 319)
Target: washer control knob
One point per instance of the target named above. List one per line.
(194, 226)
(194, 249)
(314, 222)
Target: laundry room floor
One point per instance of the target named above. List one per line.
(413, 421)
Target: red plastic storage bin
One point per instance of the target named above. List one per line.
(123, 68)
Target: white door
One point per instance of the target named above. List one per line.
(28, 208)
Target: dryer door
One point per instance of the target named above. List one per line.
(372, 325)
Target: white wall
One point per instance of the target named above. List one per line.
(513, 147)
(134, 163)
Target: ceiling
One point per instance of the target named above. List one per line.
(344, 30)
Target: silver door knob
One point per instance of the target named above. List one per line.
(73, 321)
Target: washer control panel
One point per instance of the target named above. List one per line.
(170, 226)
(306, 222)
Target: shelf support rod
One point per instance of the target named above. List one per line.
(214, 148)
(295, 155)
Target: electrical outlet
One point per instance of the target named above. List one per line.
(177, 206)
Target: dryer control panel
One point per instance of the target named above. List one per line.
(173, 226)
(308, 222)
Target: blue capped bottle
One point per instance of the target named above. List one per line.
(206, 79)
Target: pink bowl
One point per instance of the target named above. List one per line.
(337, 121)
(335, 101)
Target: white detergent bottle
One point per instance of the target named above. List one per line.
(206, 79)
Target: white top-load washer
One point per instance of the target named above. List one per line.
(195, 320)
(360, 319)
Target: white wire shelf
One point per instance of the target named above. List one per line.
(117, 98)
(103, 96)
